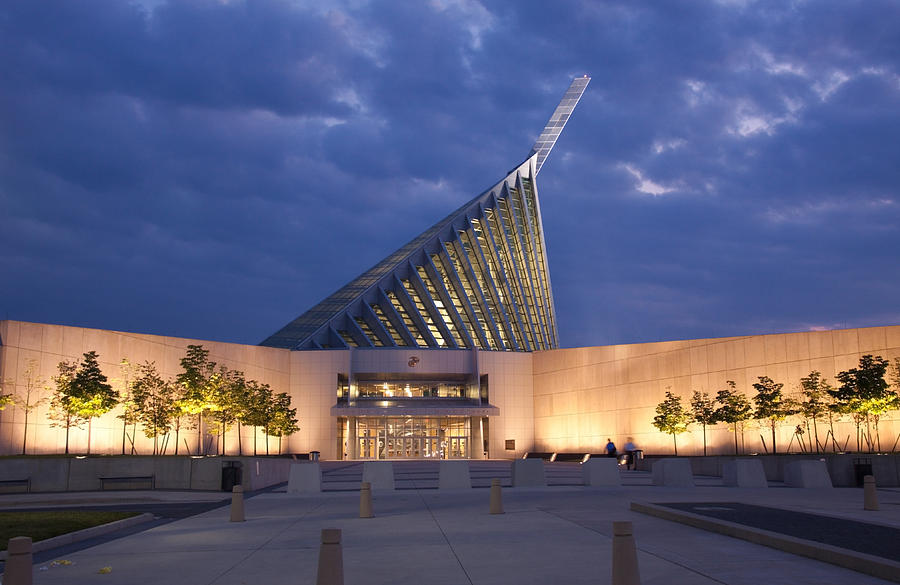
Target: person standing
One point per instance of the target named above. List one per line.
(629, 454)
(610, 448)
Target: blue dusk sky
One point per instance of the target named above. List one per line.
(212, 169)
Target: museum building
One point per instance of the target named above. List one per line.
(448, 348)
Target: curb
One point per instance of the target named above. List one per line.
(79, 535)
(842, 557)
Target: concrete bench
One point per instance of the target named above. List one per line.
(810, 473)
(14, 483)
(131, 479)
(601, 471)
(528, 473)
(673, 473)
(304, 478)
(454, 475)
(744, 473)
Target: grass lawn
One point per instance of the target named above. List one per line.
(42, 525)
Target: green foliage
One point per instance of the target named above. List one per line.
(154, 404)
(283, 421)
(44, 524)
(816, 403)
(671, 417)
(6, 400)
(735, 409)
(771, 404)
(703, 411)
(64, 407)
(198, 383)
(865, 394)
(90, 389)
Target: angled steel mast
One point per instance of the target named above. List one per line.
(479, 278)
(544, 144)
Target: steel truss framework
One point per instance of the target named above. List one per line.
(477, 278)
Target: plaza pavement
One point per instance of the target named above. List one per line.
(557, 534)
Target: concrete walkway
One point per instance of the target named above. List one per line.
(559, 534)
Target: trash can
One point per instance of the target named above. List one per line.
(313, 455)
(232, 475)
(862, 466)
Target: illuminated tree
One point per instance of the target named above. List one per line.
(282, 421)
(29, 400)
(735, 410)
(92, 395)
(129, 415)
(866, 394)
(199, 382)
(228, 401)
(258, 405)
(64, 410)
(815, 403)
(771, 405)
(703, 411)
(671, 417)
(154, 405)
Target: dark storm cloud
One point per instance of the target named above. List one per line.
(212, 169)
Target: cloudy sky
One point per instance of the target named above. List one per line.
(211, 169)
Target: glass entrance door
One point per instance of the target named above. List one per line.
(413, 437)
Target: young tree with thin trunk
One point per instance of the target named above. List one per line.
(671, 417)
(64, 410)
(866, 394)
(771, 405)
(703, 411)
(734, 409)
(256, 412)
(30, 399)
(126, 401)
(153, 403)
(93, 395)
(199, 382)
(228, 400)
(814, 405)
(283, 420)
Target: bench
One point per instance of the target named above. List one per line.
(151, 479)
(26, 483)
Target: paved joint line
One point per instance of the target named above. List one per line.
(261, 546)
(447, 540)
(640, 548)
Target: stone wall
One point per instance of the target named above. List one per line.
(583, 396)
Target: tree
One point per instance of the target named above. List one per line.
(199, 382)
(815, 402)
(256, 413)
(735, 409)
(283, 420)
(64, 410)
(129, 414)
(771, 405)
(867, 394)
(154, 403)
(93, 395)
(671, 417)
(32, 383)
(703, 411)
(228, 400)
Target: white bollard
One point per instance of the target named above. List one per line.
(331, 558)
(496, 497)
(237, 504)
(18, 569)
(624, 556)
(870, 495)
(365, 500)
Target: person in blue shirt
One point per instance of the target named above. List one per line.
(610, 448)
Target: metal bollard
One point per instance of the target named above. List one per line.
(237, 504)
(331, 558)
(870, 495)
(624, 556)
(365, 500)
(496, 497)
(18, 570)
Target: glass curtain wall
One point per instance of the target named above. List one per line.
(393, 437)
